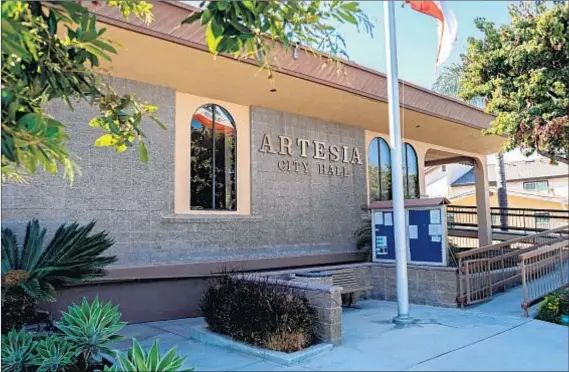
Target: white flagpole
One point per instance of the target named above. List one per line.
(399, 224)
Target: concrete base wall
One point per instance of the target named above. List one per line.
(154, 300)
(139, 301)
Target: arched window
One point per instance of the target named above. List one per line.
(213, 157)
(410, 172)
(379, 170)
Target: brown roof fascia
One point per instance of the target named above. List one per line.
(357, 79)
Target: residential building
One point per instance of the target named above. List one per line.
(532, 183)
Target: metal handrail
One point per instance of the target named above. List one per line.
(515, 219)
(522, 239)
(543, 271)
(486, 269)
(474, 209)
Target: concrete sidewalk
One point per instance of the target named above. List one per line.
(444, 340)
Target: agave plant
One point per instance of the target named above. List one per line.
(91, 328)
(73, 255)
(137, 360)
(53, 354)
(17, 348)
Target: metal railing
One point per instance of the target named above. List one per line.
(543, 271)
(518, 220)
(485, 270)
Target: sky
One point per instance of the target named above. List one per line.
(417, 38)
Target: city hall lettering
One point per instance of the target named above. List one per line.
(339, 155)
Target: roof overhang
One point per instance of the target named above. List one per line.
(168, 54)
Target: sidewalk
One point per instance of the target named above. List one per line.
(445, 339)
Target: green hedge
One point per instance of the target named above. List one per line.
(554, 306)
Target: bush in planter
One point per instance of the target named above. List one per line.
(137, 360)
(31, 273)
(259, 313)
(90, 328)
(554, 306)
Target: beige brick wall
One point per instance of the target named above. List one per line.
(291, 214)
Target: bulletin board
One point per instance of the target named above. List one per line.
(427, 240)
(426, 235)
(382, 236)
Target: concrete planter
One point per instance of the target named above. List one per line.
(203, 335)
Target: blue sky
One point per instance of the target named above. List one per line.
(417, 37)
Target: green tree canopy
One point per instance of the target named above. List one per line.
(40, 63)
(49, 50)
(522, 70)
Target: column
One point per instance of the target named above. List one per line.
(483, 201)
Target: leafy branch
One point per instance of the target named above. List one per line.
(49, 51)
(252, 29)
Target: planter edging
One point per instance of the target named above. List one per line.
(203, 335)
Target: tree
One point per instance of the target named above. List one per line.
(251, 29)
(522, 69)
(448, 83)
(40, 64)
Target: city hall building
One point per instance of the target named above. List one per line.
(249, 175)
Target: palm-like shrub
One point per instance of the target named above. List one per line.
(363, 235)
(137, 360)
(53, 353)
(73, 255)
(91, 328)
(17, 348)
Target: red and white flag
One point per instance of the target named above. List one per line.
(446, 22)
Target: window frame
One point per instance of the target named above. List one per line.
(380, 141)
(186, 105)
(405, 158)
(536, 189)
(226, 112)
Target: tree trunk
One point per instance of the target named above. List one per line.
(502, 191)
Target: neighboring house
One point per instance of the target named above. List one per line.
(533, 183)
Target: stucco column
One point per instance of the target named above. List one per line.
(483, 202)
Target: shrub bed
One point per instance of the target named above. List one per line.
(259, 313)
(554, 306)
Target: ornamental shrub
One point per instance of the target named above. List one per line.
(260, 313)
(91, 328)
(138, 360)
(553, 306)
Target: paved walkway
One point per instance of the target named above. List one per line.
(445, 340)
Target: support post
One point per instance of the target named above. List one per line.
(399, 224)
(483, 202)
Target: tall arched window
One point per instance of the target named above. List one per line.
(213, 184)
(410, 172)
(379, 170)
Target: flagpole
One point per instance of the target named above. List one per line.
(399, 224)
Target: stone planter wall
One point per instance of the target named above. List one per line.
(428, 285)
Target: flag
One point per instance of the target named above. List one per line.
(446, 24)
